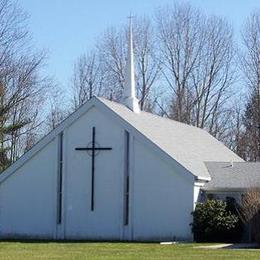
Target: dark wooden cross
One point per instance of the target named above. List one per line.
(94, 148)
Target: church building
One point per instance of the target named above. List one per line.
(112, 172)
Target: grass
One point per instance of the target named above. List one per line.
(52, 250)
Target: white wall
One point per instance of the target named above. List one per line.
(28, 198)
(198, 194)
(105, 222)
(163, 198)
(161, 194)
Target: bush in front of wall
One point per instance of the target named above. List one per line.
(213, 221)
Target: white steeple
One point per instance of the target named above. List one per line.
(129, 99)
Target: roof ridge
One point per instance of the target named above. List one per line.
(154, 115)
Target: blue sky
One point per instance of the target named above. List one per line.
(67, 28)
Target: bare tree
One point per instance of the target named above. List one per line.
(235, 138)
(22, 97)
(87, 79)
(147, 62)
(112, 53)
(214, 77)
(250, 204)
(103, 72)
(21, 85)
(197, 64)
(181, 38)
(250, 212)
(250, 62)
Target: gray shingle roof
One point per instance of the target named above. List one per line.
(242, 175)
(188, 145)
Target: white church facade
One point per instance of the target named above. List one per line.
(111, 172)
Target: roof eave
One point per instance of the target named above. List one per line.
(201, 178)
(225, 189)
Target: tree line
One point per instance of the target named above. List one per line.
(190, 67)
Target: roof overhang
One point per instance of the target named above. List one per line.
(224, 189)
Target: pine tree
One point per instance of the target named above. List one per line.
(6, 129)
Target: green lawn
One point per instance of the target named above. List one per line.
(24, 250)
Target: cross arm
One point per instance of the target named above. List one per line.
(90, 148)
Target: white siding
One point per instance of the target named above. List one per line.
(196, 194)
(105, 222)
(28, 198)
(161, 191)
(163, 198)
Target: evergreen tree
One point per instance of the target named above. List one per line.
(6, 129)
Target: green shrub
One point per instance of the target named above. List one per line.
(215, 221)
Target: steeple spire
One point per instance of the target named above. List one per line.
(129, 98)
